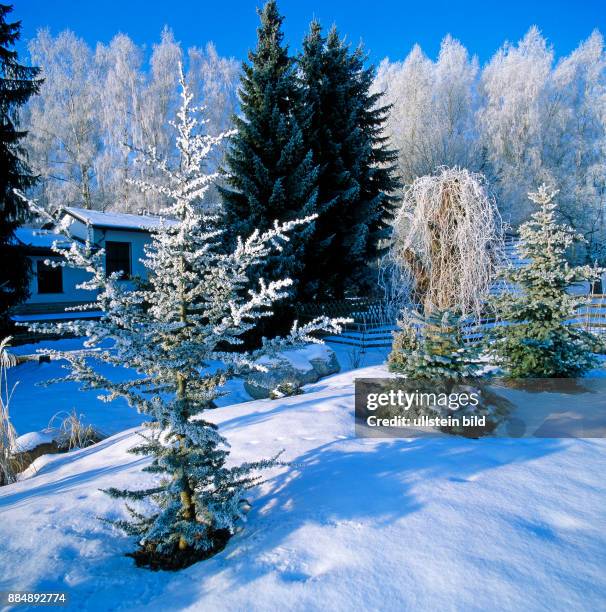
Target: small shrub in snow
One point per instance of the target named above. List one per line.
(538, 339)
(355, 357)
(437, 360)
(72, 432)
(10, 464)
(439, 352)
(286, 389)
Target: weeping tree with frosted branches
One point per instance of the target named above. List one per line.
(446, 248)
(192, 309)
(447, 241)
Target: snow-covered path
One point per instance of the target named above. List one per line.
(423, 524)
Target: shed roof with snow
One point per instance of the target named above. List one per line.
(112, 220)
(39, 240)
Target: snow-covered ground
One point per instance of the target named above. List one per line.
(424, 524)
(33, 405)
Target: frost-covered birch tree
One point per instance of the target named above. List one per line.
(63, 123)
(120, 112)
(192, 309)
(513, 117)
(432, 117)
(522, 119)
(214, 80)
(97, 107)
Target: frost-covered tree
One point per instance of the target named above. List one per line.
(576, 137)
(214, 81)
(511, 120)
(444, 256)
(120, 115)
(521, 120)
(269, 170)
(432, 119)
(63, 122)
(343, 126)
(161, 94)
(192, 309)
(538, 338)
(439, 351)
(17, 84)
(103, 105)
(541, 122)
(446, 243)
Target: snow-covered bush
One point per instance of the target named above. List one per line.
(287, 388)
(433, 356)
(538, 338)
(439, 352)
(192, 309)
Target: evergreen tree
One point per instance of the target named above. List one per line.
(192, 310)
(343, 124)
(17, 84)
(439, 353)
(538, 339)
(269, 171)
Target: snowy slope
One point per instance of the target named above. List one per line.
(424, 524)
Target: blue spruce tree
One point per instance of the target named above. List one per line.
(193, 309)
(539, 339)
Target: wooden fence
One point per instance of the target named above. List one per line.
(373, 324)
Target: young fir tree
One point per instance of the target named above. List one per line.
(343, 125)
(538, 339)
(269, 172)
(17, 84)
(439, 352)
(191, 310)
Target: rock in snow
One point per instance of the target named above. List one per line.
(425, 524)
(29, 441)
(299, 366)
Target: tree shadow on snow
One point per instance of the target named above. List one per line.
(361, 481)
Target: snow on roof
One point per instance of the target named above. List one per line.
(97, 218)
(40, 238)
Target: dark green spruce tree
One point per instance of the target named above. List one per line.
(17, 84)
(269, 172)
(343, 123)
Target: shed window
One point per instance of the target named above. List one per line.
(50, 280)
(117, 258)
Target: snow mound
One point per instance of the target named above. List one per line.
(423, 524)
(31, 440)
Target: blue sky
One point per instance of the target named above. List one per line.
(387, 27)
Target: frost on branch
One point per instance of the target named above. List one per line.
(447, 243)
(191, 310)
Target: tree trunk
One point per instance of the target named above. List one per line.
(189, 512)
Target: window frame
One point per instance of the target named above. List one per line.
(55, 271)
(126, 274)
